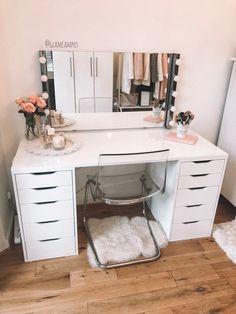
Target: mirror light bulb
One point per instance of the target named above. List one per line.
(176, 78)
(45, 95)
(173, 109)
(171, 123)
(44, 78)
(42, 60)
(178, 61)
(174, 94)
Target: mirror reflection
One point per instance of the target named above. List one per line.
(108, 81)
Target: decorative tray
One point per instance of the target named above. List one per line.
(188, 139)
(36, 147)
(67, 122)
(153, 119)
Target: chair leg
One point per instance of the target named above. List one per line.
(90, 240)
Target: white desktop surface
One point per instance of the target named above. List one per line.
(93, 143)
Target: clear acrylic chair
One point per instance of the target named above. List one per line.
(124, 179)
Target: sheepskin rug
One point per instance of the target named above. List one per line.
(225, 236)
(120, 239)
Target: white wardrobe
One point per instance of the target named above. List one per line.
(83, 81)
(227, 139)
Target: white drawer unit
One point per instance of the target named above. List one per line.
(43, 179)
(47, 213)
(189, 230)
(50, 248)
(196, 198)
(37, 195)
(49, 230)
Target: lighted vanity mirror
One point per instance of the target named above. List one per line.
(85, 82)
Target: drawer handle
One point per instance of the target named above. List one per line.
(42, 173)
(190, 222)
(201, 161)
(48, 202)
(47, 188)
(197, 205)
(47, 240)
(47, 222)
(198, 188)
(199, 175)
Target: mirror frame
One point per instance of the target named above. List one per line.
(48, 86)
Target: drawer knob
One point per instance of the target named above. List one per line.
(199, 175)
(43, 203)
(47, 222)
(47, 240)
(201, 161)
(190, 222)
(198, 188)
(47, 188)
(42, 173)
(197, 205)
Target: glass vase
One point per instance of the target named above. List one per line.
(30, 125)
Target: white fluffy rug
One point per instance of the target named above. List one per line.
(120, 239)
(225, 236)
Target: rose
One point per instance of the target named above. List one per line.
(41, 103)
(33, 99)
(28, 107)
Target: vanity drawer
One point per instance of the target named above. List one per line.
(201, 167)
(39, 195)
(49, 230)
(194, 212)
(199, 180)
(43, 179)
(45, 211)
(196, 196)
(191, 230)
(52, 248)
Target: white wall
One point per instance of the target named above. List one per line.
(203, 31)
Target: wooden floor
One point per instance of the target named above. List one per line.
(191, 276)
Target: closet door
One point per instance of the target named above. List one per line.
(64, 80)
(103, 78)
(84, 81)
(226, 139)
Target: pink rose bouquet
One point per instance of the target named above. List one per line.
(31, 106)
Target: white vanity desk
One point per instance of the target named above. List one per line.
(45, 187)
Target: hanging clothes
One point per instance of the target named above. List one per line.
(146, 69)
(127, 72)
(160, 76)
(119, 71)
(138, 68)
(163, 84)
(154, 74)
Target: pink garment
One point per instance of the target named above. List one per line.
(138, 66)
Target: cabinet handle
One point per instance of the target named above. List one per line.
(47, 240)
(198, 188)
(42, 173)
(190, 222)
(199, 175)
(71, 69)
(47, 188)
(91, 66)
(96, 67)
(47, 222)
(201, 161)
(197, 205)
(43, 203)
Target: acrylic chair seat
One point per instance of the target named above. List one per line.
(120, 181)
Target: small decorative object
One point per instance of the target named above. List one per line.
(31, 106)
(59, 141)
(183, 120)
(157, 106)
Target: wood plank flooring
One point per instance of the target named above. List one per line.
(192, 276)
